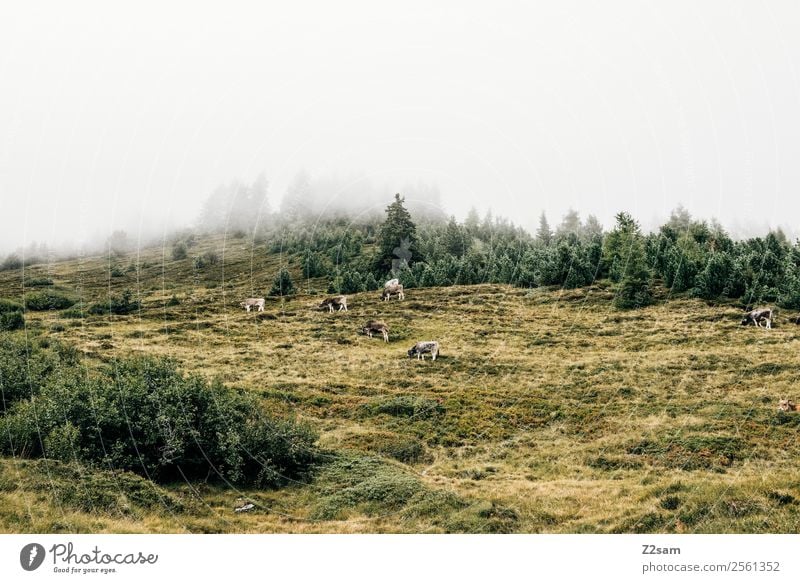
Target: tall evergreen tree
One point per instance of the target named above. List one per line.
(455, 240)
(570, 224)
(544, 234)
(397, 239)
(623, 251)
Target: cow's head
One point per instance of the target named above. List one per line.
(413, 351)
(746, 320)
(786, 405)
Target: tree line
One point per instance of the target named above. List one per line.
(685, 256)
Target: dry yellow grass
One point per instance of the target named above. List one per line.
(548, 411)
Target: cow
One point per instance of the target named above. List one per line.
(374, 326)
(334, 302)
(391, 283)
(757, 316)
(388, 292)
(253, 302)
(420, 349)
(787, 405)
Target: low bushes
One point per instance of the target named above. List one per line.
(48, 300)
(26, 366)
(119, 305)
(144, 416)
(11, 317)
(12, 321)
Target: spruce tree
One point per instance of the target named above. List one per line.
(544, 234)
(397, 238)
(624, 252)
(283, 285)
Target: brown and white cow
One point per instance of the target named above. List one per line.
(787, 405)
(420, 349)
(339, 302)
(757, 316)
(375, 326)
(253, 302)
(389, 291)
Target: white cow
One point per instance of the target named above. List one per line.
(387, 293)
(339, 302)
(253, 302)
(420, 349)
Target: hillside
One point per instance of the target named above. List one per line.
(547, 411)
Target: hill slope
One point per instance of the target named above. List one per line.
(547, 411)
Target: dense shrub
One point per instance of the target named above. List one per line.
(179, 251)
(9, 306)
(143, 415)
(48, 300)
(12, 321)
(26, 366)
(13, 261)
(283, 284)
(120, 305)
(39, 282)
(207, 259)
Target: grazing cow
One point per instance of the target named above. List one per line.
(375, 326)
(391, 283)
(253, 302)
(391, 290)
(787, 405)
(757, 316)
(335, 302)
(422, 348)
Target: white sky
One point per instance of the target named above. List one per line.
(127, 115)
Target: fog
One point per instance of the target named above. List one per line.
(131, 116)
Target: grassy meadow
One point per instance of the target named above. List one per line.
(548, 411)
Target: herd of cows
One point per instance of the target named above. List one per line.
(760, 317)
(393, 287)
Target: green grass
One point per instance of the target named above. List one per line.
(548, 410)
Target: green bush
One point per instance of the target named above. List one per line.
(144, 416)
(179, 251)
(26, 366)
(39, 282)
(48, 300)
(12, 321)
(13, 261)
(116, 271)
(207, 259)
(119, 305)
(7, 306)
(283, 284)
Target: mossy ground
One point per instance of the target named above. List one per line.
(547, 411)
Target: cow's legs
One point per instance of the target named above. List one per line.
(247, 308)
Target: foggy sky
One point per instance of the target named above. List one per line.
(130, 115)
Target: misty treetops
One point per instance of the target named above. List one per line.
(685, 256)
(415, 242)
